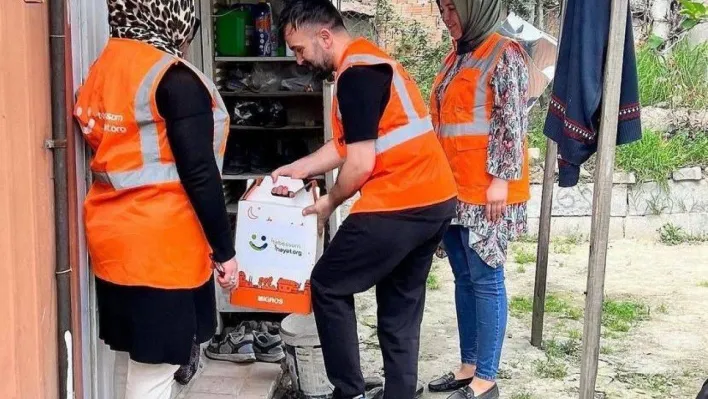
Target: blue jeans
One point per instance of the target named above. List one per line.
(480, 298)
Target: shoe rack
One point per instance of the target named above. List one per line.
(254, 151)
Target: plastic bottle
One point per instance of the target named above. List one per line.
(262, 17)
(274, 41)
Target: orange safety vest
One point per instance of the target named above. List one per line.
(141, 228)
(462, 122)
(411, 170)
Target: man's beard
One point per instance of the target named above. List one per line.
(325, 66)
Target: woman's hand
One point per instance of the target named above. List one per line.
(229, 280)
(496, 199)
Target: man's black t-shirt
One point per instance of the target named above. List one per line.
(363, 93)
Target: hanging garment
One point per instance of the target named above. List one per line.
(462, 120)
(141, 227)
(574, 111)
(411, 170)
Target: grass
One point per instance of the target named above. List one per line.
(703, 284)
(521, 269)
(562, 248)
(606, 350)
(433, 281)
(654, 157)
(677, 79)
(504, 374)
(522, 395)
(524, 256)
(663, 309)
(660, 384)
(519, 306)
(563, 308)
(550, 368)
(674, 235)
(565, 244)
(575, 334)
(569, 348)
(620, 316)
(527, 238)
(572, 239)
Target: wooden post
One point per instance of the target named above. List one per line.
(602, 195)
(544, 239)
(544, 225)
(538, 14)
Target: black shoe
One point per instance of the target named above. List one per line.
(467, 393)
(378, 392)
(263, 156)
(448, 383)
(185, 373)
(703, 394)
(237, 159)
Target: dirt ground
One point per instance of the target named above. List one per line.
(655, 328)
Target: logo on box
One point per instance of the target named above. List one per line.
(258, 247)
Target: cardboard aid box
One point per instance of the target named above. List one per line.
(276, 247)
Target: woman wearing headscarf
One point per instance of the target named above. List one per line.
(478, 107)
(155, 217)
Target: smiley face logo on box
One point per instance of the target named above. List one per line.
(258, 246)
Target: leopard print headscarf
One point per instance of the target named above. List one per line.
(165, 24)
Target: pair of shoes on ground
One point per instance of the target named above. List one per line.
(247, 343)
(375, 388)
(461, 388)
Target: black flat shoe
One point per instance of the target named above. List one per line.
(378, 392)
(467, 393)
(447, 383)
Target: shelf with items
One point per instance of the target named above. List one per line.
(254, 176)
(292, 96)
(276, 129)
(270, 94)
(255, 59)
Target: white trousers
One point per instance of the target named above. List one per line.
(143, 381)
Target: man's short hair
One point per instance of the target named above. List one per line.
(300, 13)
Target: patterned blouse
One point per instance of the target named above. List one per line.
(509, 124)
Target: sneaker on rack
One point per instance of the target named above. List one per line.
(235, 346)
(267, 346)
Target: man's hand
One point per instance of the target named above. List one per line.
(323, 208)
(496, 199)
(296, 170)
(229, 281)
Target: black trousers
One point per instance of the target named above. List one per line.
(394, 254)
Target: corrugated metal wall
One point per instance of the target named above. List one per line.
(27, 286)
(89, 33)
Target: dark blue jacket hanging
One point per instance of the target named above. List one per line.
(574, 112)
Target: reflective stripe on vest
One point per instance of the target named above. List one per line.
(154, 171)
(415, 127)
(480, 123)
